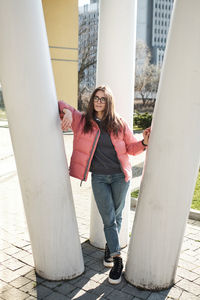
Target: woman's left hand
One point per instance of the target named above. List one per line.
(146, 135)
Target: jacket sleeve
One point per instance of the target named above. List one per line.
(76, 115)
(133, 146)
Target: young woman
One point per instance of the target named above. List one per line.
(102, 143)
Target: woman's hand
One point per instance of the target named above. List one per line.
(67, 120)
(146, 135)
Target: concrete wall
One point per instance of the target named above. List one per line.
(61, 19)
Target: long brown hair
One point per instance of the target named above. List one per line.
(110, 121)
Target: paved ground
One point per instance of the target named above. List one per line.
(17, 276)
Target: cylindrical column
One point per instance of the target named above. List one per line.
(116, 68)
(172, 160)
(116, 52)
(31, 104)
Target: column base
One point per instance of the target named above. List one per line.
(58, 278)
(150, 287)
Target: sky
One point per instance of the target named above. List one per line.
(82, 2)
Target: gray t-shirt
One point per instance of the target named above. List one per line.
(105, 160)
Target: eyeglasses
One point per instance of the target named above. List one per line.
(102, 99)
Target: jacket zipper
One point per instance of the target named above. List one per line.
(91, 154)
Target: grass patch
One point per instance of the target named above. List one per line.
(135, 127)
(196, 197)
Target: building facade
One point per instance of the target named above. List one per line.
(153, 26)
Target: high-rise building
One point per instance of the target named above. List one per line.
(153, 25)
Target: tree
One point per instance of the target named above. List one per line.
(87, 58)
(147, 75)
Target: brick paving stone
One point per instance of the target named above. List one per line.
(102, 290)
(197, 270)
(14, 293)
(88, 273)
(187, 274)
(33, 276)
(119, 295)
(188, 296)
(20, 254)
(20, 243)
(24, 270)
(97, 277)
(3, 244)
(119, 286)
(89, 250)
(189, 286)
(51, 284)
(40, 291)
(81, 294)
(81, 282)
(187, 257)
(8, 275)
(97, 266)
(11, 250)
(91, 261)
(4, 287)
(177, 279)
(98, 255)
(19, 282)
(28, 287)
(13, 264)
(156, 296)
(174, 293)
(86, 258)
(104, 280)
(76, 293)
(2, 267)
(131, 290)
(3, 256)
(56, 296)
(197, 281)
(191, 253)
(186, 265)
(90, 285)
(65, 288)
(28, 260)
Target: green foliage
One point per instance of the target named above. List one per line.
(135, 194)
(142, 120)
(196, 197)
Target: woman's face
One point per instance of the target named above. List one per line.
(99, 102)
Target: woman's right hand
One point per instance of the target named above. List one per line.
(67, 119)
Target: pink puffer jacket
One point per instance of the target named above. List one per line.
(84, 145)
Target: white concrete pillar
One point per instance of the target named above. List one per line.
(116, 68)
(172, 160)
(31, 104)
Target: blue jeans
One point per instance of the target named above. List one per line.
(110, 194)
